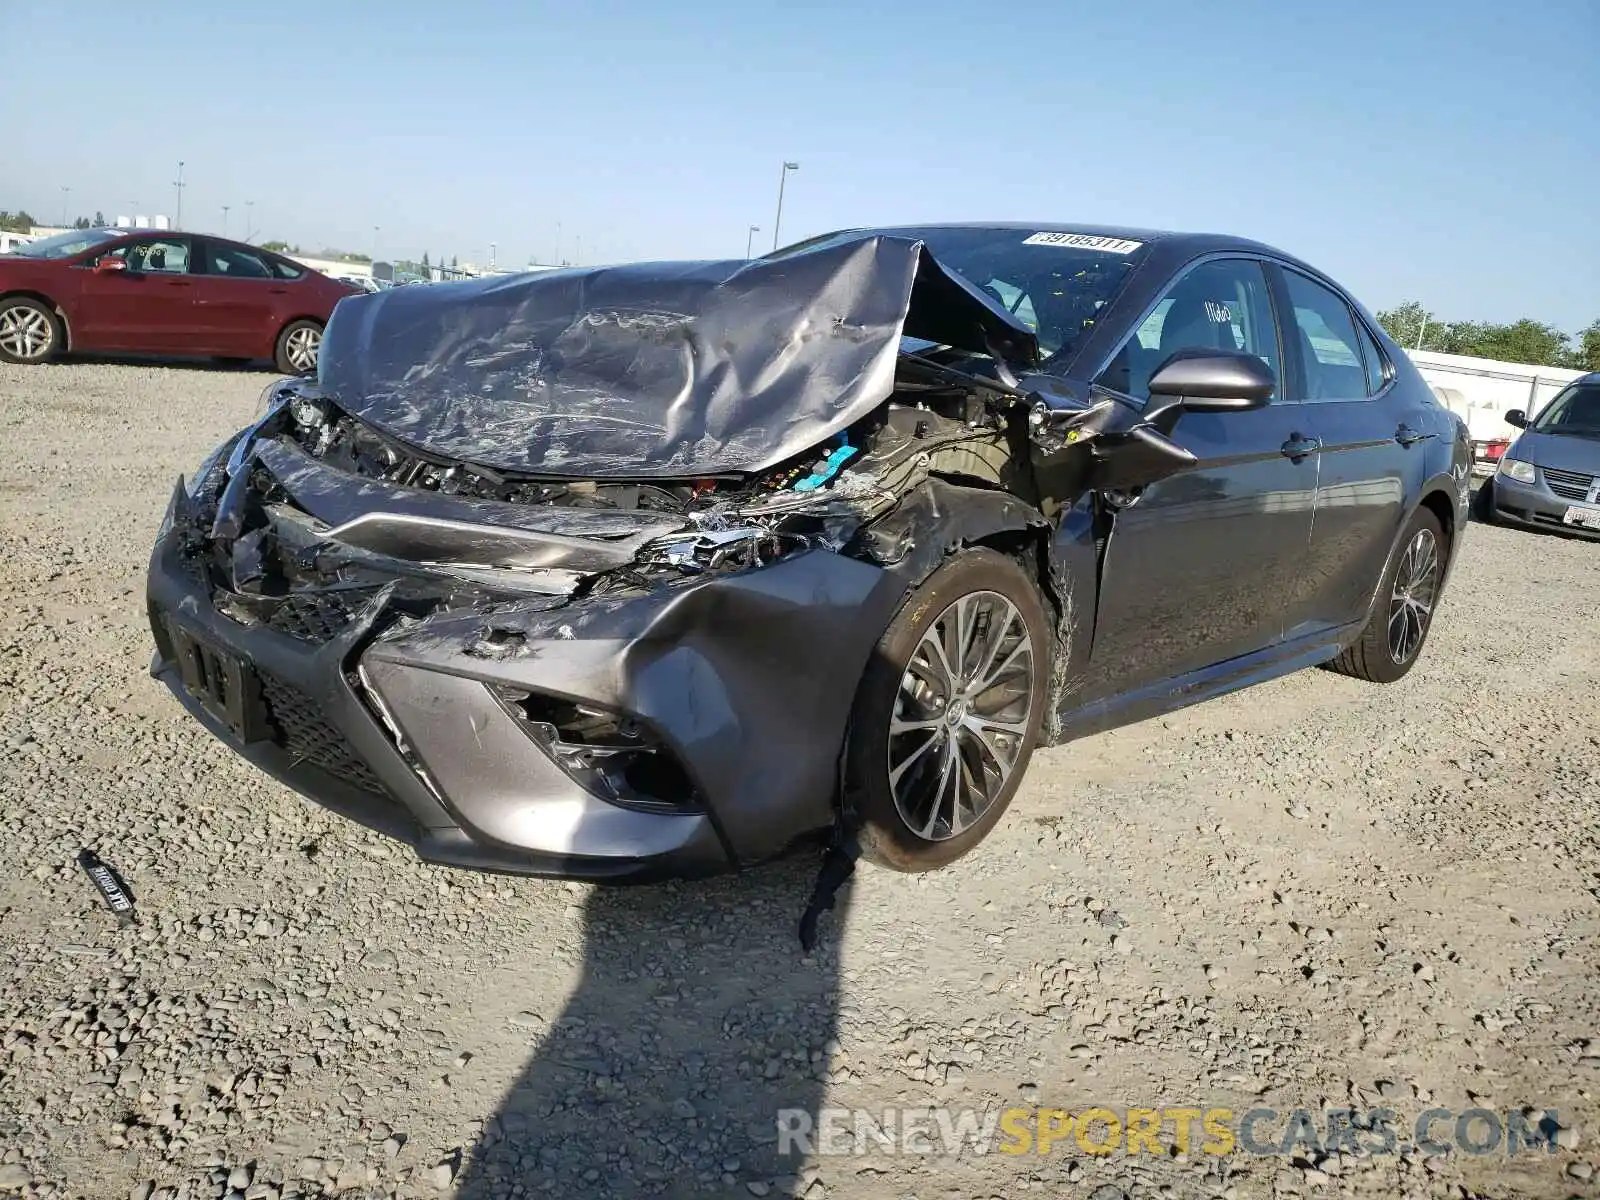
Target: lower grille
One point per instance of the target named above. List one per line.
(1569, 485)
(320, 616)
(306, 734)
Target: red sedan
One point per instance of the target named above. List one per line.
(155, 292)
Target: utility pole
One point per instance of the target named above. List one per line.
(177, 218)
(783, 177)
(749, 239)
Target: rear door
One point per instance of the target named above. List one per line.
(1204, 566)
(147, 308)
(238, 295)
(1368, 456)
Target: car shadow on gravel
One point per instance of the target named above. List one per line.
(697, 1019)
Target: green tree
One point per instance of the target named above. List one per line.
(1406, 321)
(424, 260)
(1524, 341)
(20, 221)
(1587, 356)
(276, 247)
(99, 219)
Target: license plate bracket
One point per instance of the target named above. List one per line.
(221, 683)
(1585, 515)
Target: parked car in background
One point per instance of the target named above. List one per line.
(1550, 476)
(158, 292)
(656, 569)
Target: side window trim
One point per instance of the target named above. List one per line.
(1265, 265)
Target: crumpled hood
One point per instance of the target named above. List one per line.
(667, 370)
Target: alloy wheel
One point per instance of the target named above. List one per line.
(25, 332)
(960, 715)
(1416, 585)
(301, 348)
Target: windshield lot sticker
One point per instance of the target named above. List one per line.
(1083, 241)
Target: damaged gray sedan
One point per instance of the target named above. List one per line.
(660, 569)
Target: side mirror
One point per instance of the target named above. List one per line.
(1518, 418)
(110, 265)
(1214, 381)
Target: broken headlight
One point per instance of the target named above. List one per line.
(723, 549)
(612, 756)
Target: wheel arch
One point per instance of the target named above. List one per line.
(52, 305)
(940, 518)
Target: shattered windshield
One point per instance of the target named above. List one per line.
(65, 245)
(1575, 412)
(1056, 283)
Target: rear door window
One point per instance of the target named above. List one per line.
(1330, 350)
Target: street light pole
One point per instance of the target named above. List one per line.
(65, 192)
(249, 219)
(375, 243)
(177, 218)
(1421, 329)
(492, 246)
(750, 238)
(225, 208)
(783, 177)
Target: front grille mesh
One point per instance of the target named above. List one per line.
(319, 617)
(308, 736)
(1570, 485)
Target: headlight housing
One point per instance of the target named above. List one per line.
(1515, 468)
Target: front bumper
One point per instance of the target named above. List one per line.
(1534, 505)
(747, 678)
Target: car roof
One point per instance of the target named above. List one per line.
(1175, 242)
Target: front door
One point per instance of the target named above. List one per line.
(148, 308)
(1205, 565)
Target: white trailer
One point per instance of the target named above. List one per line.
(1482, 391)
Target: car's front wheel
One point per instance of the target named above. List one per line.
(30, 332)
(948, 711)
(1402, 615)
(298, 347)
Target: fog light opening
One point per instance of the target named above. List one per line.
(608, 755)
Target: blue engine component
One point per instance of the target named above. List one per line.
(827, 469)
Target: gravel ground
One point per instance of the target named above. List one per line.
(1315, 893)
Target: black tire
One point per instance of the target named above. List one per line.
(287, 351)
(984, 578)
(1483, 502)
(1380, 655)
(30, 331)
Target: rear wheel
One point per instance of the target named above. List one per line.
(1403, 613)
(948, 711)
(30, 331)
(298, 346)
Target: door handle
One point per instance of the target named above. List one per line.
(1406, 435)
(1299, 446)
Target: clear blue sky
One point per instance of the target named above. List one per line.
(1446, 152)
